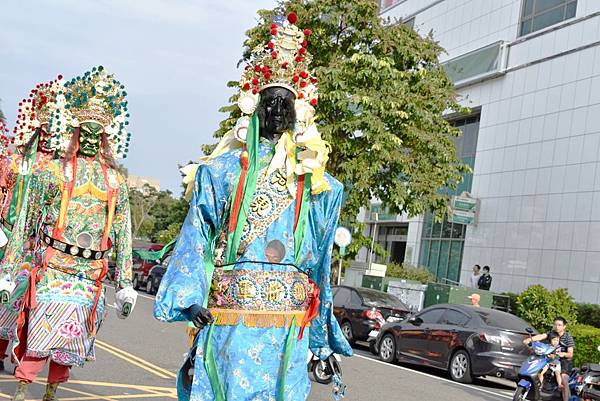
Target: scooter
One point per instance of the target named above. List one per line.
(323, 370)
(529, 386)
(372, 340)
(589, 381)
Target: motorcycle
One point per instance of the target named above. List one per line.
(529, 386)
(323, 370)
(372, 340)
(589, 381)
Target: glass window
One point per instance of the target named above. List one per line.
(433, 257)
(431, 316)
(539, 14)
(380, 299)
(502, 320)
(442, 270)
(455, 318)
(424, 258)
(355, 300)
(342, 298)
(455, 260)
(477, 63)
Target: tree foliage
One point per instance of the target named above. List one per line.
(382, 100)
(408, 272)
(539, 306)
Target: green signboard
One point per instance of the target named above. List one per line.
(460, 217)
(464, 203)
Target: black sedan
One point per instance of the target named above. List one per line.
(360, 311)
(466, 341)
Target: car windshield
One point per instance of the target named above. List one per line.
(502, 320)
(381, 299)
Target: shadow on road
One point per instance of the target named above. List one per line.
(492, 383)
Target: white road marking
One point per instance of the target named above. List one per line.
(435, 377)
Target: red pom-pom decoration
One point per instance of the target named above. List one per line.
(246, 86)
(274, 54)
(314, 80)
(299, 59)
(284, 65)
(270, 45)
(304, 43)
(307, 32)
(267, 75)
(254, 81)
(302, 50)
(60, 77)
(274, 31)
(273, 26)
(304, 74)
(292, 17)
(257, 68)
(303, 84)
(254, 91)
(300, 95)
(313, 102)
(295, 78)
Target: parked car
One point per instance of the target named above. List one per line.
(156, 274)
(362, 310)
(142, 267)
(466, 341)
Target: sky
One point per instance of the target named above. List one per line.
(173, 56)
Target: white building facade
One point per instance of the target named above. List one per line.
(530, 71)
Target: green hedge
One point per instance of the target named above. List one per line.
(588, 314)
(587, 340)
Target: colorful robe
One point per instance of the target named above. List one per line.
(68, 300)
(248, 343)
(17, 255)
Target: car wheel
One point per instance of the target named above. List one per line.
(150, 286)
(135, 282)
(460, 367)
(347, 331)
(387, 349)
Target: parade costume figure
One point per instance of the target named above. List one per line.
(253, 258)
(31, 140)
(79, 208)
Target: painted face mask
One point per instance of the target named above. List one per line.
(90, 137)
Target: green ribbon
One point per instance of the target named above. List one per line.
(302, 218)
(210, 364)
(22, 183)
(285, 363)
(234, 239)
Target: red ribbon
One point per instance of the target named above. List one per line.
(235, 211)
(313, 307)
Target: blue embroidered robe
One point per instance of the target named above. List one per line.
(249, 359)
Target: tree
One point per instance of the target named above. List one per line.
(539, 306)
(142, 201)
(383, 96)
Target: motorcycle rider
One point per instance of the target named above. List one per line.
(565, 351)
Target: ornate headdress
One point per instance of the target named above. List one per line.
(4, 139)
(36, 110)
(283, 62)
(96, 96)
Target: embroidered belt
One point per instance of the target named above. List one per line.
(259, 298)
(73, 250)
(5, 223)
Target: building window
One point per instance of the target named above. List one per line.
(385, 4)
(539, 14)
(442, 243)
(392, 237)
(483, 63)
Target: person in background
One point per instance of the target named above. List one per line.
(475, 276)
(475, 298)
(485, 281)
